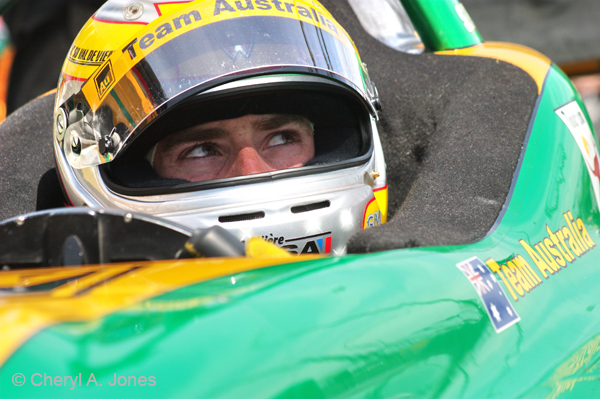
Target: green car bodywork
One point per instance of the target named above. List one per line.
(396, 324)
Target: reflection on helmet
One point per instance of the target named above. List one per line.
(214, 83)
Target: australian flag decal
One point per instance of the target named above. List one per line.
(498, 307)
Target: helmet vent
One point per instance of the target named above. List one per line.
(311, 207)
(242, 217)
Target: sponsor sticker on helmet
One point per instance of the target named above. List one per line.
(372, 216)
(103, 79)
(88, 57)
(313, 244)
(316, 244)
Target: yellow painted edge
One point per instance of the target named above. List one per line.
(529, 60)
(52, 91)
(381, 195)
(23, 315)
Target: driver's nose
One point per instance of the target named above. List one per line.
(248, 162)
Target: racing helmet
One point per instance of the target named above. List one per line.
(141, 72)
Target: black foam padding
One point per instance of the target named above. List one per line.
(452, 130)
(25, 155)
(50, 194)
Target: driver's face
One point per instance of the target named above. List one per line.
(236, 147)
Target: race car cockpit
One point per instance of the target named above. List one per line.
(451, 130)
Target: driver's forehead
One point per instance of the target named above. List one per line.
(257, 122)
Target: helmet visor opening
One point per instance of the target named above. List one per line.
(216, 133)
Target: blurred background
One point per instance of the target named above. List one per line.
(35, 36)
(567, 31)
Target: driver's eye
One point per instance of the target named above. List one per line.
(203, 150)
(281, 138)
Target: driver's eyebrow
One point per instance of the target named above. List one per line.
(193, 134)
(276, 121)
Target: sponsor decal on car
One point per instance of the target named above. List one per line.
(576, 122)
(554, 252)
(498, 307)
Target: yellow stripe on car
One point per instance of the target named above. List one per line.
(529, 60)
(91, 292)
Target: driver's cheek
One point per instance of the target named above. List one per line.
(247, 161)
